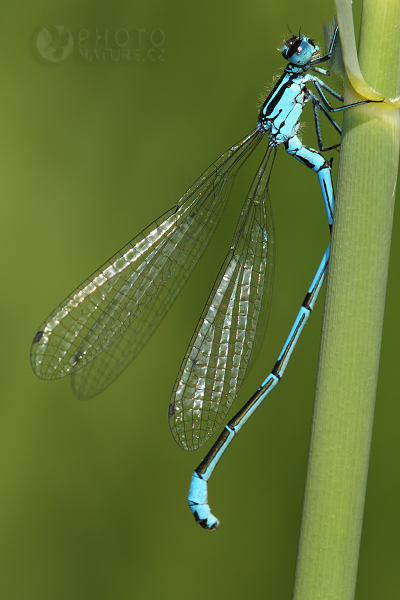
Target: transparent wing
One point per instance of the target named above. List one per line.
(219, 353)
(118, 307)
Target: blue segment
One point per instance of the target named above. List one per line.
(317, 163)
(198, 503)
(271, 378)
(208, 466)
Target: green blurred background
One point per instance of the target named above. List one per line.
(93, 495)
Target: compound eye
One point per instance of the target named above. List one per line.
(291, 46)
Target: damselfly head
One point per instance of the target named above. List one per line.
(299, 50)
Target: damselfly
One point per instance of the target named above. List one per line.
(104, 323)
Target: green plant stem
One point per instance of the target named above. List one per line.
(352, 327)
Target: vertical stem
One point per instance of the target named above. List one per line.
(352, 328)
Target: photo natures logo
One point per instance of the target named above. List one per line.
(55, 44)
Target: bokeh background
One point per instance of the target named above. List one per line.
(93, 494)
